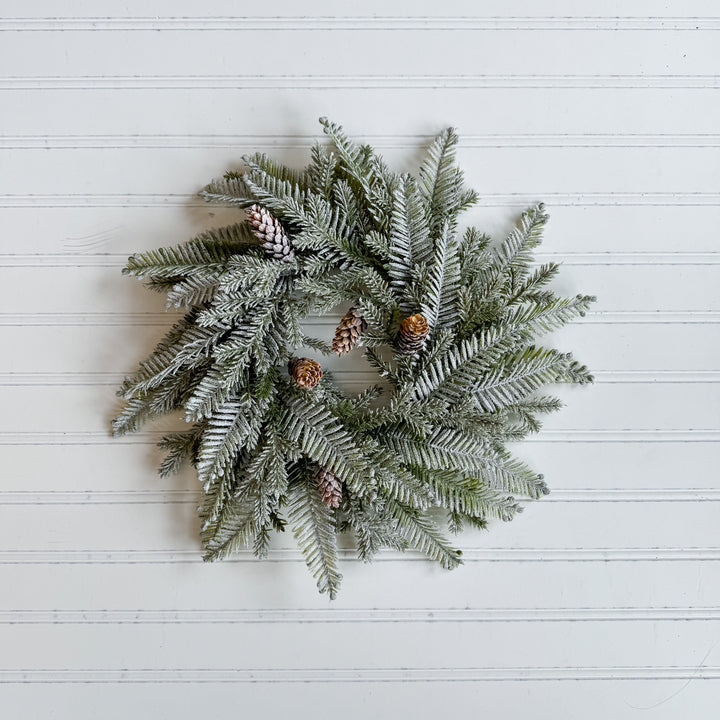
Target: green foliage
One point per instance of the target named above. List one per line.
(438, 302)
(409, 233)
(242, 503)
(424, 451)
(313, 524)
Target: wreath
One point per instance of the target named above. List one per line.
(447, 320)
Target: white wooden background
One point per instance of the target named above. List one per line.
(601, 601)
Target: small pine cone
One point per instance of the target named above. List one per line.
(348, 331)
(413, 331)
(305, 371)
(330, 486)
(270, 232)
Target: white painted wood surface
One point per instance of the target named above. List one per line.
(602, 600)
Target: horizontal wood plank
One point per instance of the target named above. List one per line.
(158, 531)
(612, 697)
(606, 407)
(382, 585)
(101, 354)
(647, 289)
(253, 111)
(111, 465)
(119, 226)
(216, 53)
(252, 647)
(517, 171)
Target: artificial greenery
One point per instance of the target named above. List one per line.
(421, 452)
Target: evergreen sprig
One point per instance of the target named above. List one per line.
(450, 323)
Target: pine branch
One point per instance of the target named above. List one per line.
(313, 524)
(284, 199)
(316, 344)
(186, 354)
(373, 526)
(444, 449)
(441, 183)
(351, 208)
(537, 318)
(438, 304)
(231, 190)
(322, 171)
(505, 473)
(409, 233)
(472, 497)
(448, 377)
(422, 534)
(473, 255)
(517, 377)
(203, 256)
(269, 468)
(321, 225)
(378, 244)
(529, 287)
(252, 512)
(192, 291)
(230, 362)
(575, 372)
(384, 368)
(253, 273)
(354, 159)
(322, 438)
(234, 425)
(260, 162)
(229, 520)
(510, 261)
(181, 447)
(158, 401)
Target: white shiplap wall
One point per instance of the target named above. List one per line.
(601, 601)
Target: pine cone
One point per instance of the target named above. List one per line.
(413, 331)
(305, 371)
(348, 331)
(270, 233)
(330, 486)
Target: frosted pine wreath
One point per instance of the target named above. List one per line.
(448, 320)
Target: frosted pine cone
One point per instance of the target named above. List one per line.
(413, 331)
(348, 331)
(306, 372)
(269, 231)
(330, 487)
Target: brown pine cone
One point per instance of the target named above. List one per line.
(305, 371)
(413, 331)
(348, 331)
(269, 231)
(330, 486)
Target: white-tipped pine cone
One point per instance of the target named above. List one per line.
(330, 487)
(413, 331)
(270, 232)
(348, 332)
